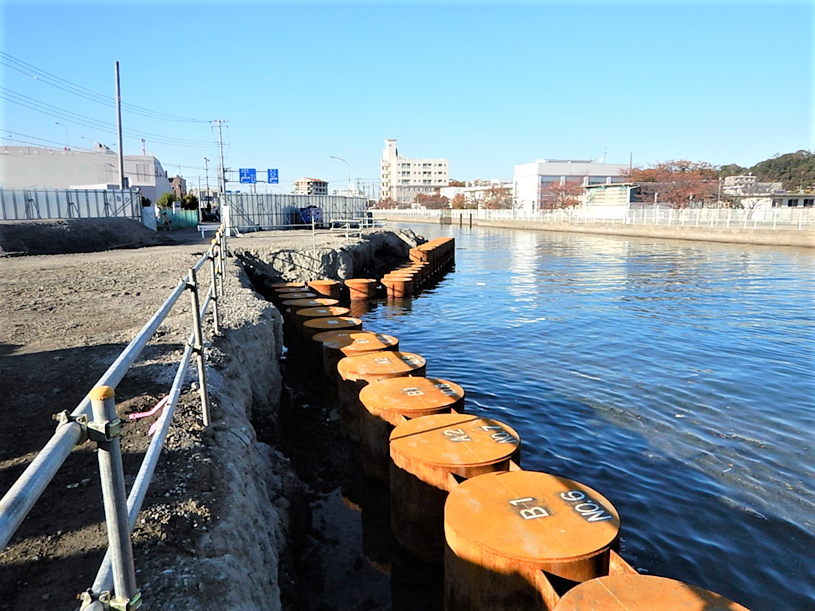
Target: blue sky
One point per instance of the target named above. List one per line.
(486, 85)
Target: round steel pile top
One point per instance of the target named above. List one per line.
(530, 516)
(642, 593)
(379, 364)
(411, 397)
(311, 303)
(453, 440)
(303, 295)
(333, 323)
(323, 312)
(286, 285)
(358, 342)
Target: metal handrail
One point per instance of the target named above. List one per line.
(21, 497)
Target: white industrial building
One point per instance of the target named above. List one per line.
(402, 179)
(531, 178)
(35, 167)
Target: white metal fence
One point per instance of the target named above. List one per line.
(31, 204)
(249, 211)
(766, 218)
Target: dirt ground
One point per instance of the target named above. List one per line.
(63, 320)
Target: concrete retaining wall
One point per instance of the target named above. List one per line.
(774, 237)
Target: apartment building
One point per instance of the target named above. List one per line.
(402, 179)
(311, 186)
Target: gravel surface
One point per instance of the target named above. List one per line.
(217, 513)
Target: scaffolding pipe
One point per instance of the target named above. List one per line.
(21, 497)
(198, 345)
(107, 427)
(104, 578)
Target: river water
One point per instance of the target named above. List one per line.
(676, 378)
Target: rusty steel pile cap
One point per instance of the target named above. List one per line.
(317, 302)
(411, 397)
(360, 342)
(333, 323)
(452, 441)
(535, 518)
(303, 295)
(381, 365)
(642, 593)
(321, 312)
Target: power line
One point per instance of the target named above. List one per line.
(42, 76)
(76, 118)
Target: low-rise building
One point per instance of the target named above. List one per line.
(36, 167)
(749, 192)
(532, 178)
(402, 179)
(179, 186)
(476, 193)
(311, 186)
(793, 199)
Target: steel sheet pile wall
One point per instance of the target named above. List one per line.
(270, 210)
(30, 204)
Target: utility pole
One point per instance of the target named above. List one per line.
(119, 130)
(206, 169)
(221, 172)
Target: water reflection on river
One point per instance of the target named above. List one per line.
(676, 378)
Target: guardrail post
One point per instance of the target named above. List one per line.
(105, 430)
(313, 231)
(221, 260)
(213, 286)
(198, 346)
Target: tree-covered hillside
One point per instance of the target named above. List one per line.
(794, 170)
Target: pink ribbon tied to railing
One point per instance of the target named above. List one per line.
(158, 406)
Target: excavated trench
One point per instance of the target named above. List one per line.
(325, 563)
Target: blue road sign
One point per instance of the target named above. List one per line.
(249, 175)
(273, 179)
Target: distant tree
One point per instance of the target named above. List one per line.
(556, 195)
(731, 169)
(794, 170)
(456, 183)
(189, 202)
(166, 200)
(497, 198)
(677, 183)
(433, 201)
(462, 203)
(387, 203)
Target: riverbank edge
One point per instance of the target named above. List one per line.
(255, 480)
(733, 235)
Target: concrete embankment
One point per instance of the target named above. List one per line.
(738, 235)
(243, 559)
